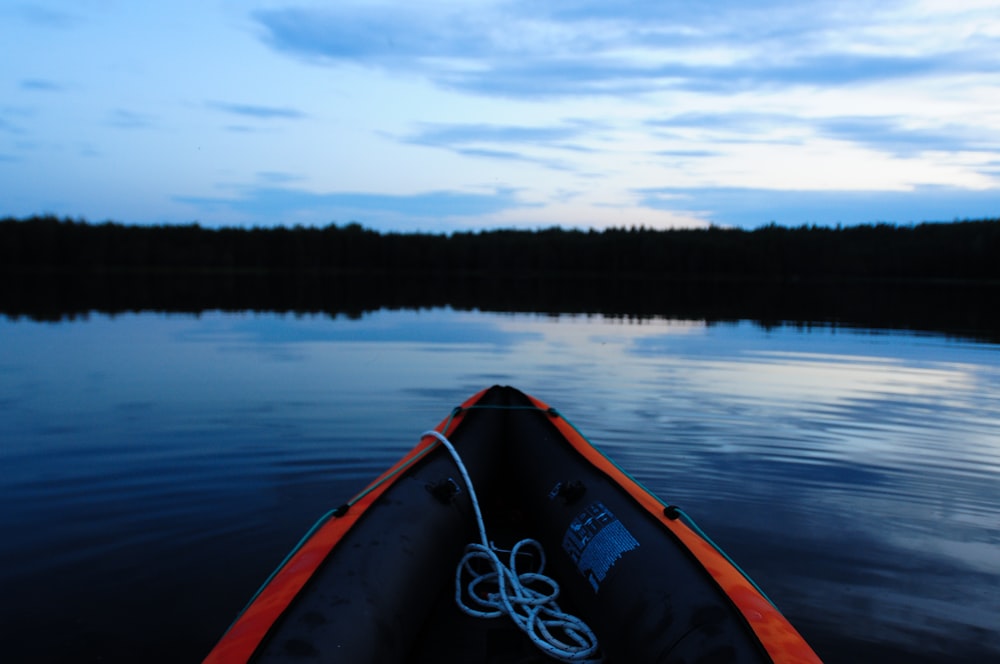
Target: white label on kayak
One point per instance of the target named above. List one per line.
(595, 540)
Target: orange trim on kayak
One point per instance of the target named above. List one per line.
(246, 634)
(780, 639)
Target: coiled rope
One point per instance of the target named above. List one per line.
(502, 590)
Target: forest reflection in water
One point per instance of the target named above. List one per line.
(963, 309)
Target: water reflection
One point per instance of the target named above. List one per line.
(855, 475)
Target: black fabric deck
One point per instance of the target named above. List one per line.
(385, 594)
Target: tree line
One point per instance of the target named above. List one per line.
(965, 250)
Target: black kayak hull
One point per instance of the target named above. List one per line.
(375, 581)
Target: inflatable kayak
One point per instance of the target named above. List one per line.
(505, 536)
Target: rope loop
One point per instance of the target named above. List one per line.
(528, 598)
(485, 587)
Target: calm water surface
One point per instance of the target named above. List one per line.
(157, 467)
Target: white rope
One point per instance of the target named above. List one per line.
(502, 590)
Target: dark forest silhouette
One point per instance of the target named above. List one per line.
(933, 277)
(961, 250)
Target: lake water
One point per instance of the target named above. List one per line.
(157, 467)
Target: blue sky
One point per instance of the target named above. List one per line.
(445, 115)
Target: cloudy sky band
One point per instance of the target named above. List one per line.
(446, 116)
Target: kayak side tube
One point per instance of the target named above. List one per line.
(254, 623)
(649, 584)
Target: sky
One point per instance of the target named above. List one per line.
(440, 115)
